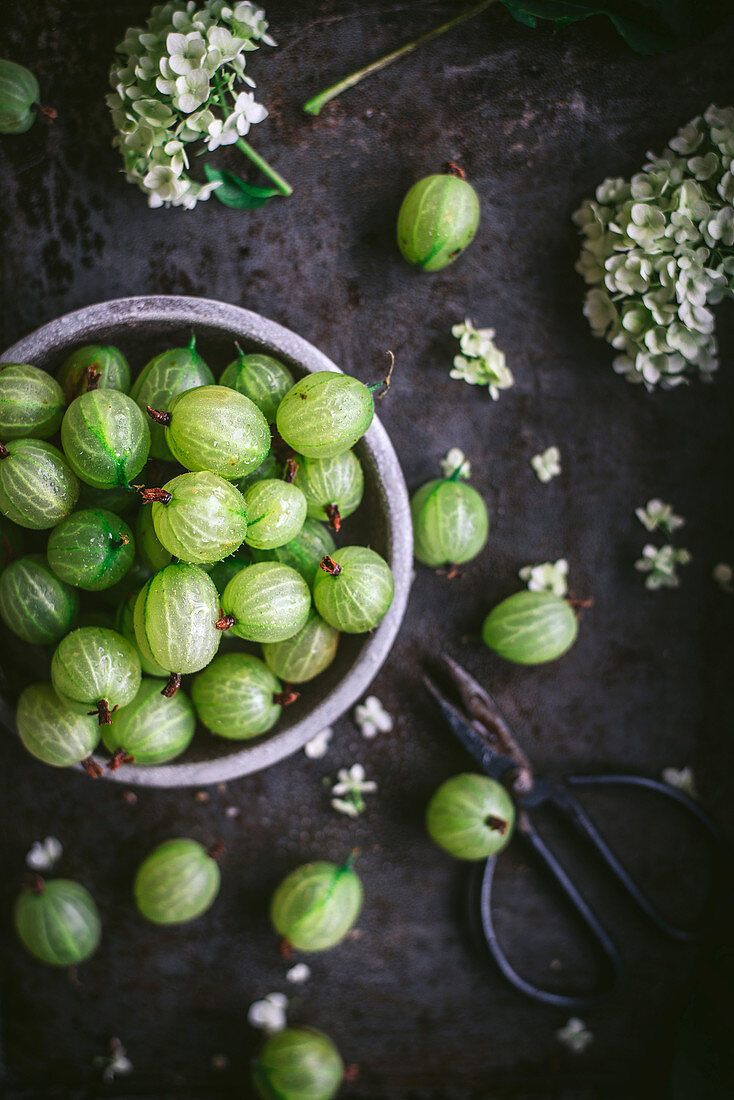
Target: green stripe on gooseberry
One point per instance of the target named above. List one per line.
(163, 378)
(316, 905)
(106, 438)
(92, 549)
(276, 511)
(530, 628)
(34, 603)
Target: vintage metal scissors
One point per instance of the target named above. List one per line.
(481, 728)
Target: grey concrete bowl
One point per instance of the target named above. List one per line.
(144, 326)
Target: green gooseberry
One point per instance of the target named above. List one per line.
(237, 696)
(471, 816)
(125, 625)
(34, 603)
(315, 906)
(151, 729)
(53, 731)
(58, 921)
(93, 367)
(199, 517)
(276, 513)
(98, 616)
(325, 414)
(150, 550)
(304, 552)
(121, 501)
(19, 94)
(91, 549)
(163, 378)
(176, 617)
(136, 576)
(298, 1063)
(306, 654)
(260, 377)
(177, 882)
(12, 542)
(266, 602)
(333, 487)
(223, 571)
(216, 429)
(353, 589)
(269, 467)
(438, 218)
(450, 522)
(31, 402)
(95, 667)
(37, 487)
(106, 438)
(530, 628)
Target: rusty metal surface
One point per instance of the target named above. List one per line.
(537, 121)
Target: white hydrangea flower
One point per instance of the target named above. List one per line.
(44, 854)
(482, 363)
(456, 464)
(658, 515)
(547, 577)
(661, 565)
(318, 746)
(575, 1035)
(682, 779)
(547, 464)
(269, 1014)
(299, 973)
(349, 790)
(372, 718)
(723, 574)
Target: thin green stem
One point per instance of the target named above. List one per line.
(275, 178)
(315, 104)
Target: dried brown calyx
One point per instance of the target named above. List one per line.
(91, 377)
(119, 757)
(334, 516)
(4, 452)
(155, 496)
(291, 469)
(173, 683)
(103, 712)
(224, 622)
(330, 566)
(496, 824)
(92, 768)
(160, 416)
(217, 849)
(454, 169)
(286, 697)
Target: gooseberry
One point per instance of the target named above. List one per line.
(353, 589)
(106, 438)
(325, 414)
(149, 549)
(37, 487)
(151, 729)
(31, 402)
(199, 517)
(306, 654)
(121, 500)
(304, 552)
(450, 522)
(93, 367)
(91, 549)
(177, 882)
(53, 731)
(34, 603)
(223, 571)
(266, 602)
(58, 921)
(216, 429)
(471, 816)
(95, 667)
(125, 624)
(315, 906)
(276, 513)
(438, 218)
(260, 377)
(162, 379)
(269, 467)
(530, 628)
(298, 1063)
(333, 487)
(175, 620)
(19, 94)
(236, 696)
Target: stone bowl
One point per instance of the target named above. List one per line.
(144, 326)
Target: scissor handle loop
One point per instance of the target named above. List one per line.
(611, 963)
(575, 812)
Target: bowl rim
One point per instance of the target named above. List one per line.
(82, 325)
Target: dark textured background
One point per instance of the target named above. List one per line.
(537, 120)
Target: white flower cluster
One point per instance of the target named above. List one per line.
(547, 464)
(481, 362)
(549, 576)
(659, 252)
(660, 563)
(175, 83)
(456, 464)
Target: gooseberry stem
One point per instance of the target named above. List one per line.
(314, 105)
(155, 496)
(119, 757)
(103, 712)
(93, 377)
(386, 380)
(334, 516)
(173, 683)
(330, 566)
(160, 416)
(291, 469)
(275, 178)
(92, 768)
(454, 169)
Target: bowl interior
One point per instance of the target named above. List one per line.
(143, 327)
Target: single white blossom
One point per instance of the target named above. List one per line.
(481, 362)
(658, 515)
(723, 574)
(456, 464)
(318, 746)
(349, 790)
(301, 972)
(661, 565)
(372, 718)
(575, 1035)
(269, 1014)
(547, 577)
(115, 1064)
(44, 854)
(682, 779)
(547, 464)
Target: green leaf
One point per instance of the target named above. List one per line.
(236, 192)
(648, 26)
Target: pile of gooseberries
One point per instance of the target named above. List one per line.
(147, 518)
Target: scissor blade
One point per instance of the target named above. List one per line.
(491, 763)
